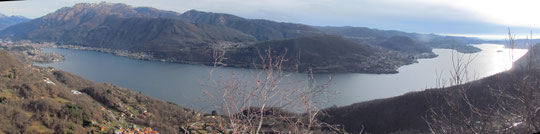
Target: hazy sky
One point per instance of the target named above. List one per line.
(424, 16)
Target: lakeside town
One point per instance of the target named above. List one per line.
(34, 51)
(31, 51)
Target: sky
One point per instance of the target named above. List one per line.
(464, 17)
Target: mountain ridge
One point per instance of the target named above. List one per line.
(261, 29)
(376, 36)
(192, 37)
(6, 21)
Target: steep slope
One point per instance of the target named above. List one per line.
(45, 100)
(261, 29)
(529, 60)
(6, 21)
(407, 113)
(323, 53)
(8, 61)
(375, 36)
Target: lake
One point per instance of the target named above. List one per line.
(183, 84)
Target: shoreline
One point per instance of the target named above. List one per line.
(149, 57)
(31, 52)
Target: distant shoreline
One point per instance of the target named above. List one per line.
(148, 57)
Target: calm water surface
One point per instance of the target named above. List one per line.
(183, 84)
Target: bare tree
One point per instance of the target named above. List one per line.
(266, 96)
(509, 104)
(522, 93)
(450, 117)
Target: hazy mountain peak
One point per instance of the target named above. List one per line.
(6, 21)
(12, 16)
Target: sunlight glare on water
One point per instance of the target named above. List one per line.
(498, 61)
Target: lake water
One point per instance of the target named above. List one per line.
(183, 84)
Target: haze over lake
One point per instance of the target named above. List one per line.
(183, 84)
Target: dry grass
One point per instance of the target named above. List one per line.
(37, 127)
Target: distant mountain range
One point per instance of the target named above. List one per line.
(192, 36)
(6, 21)
(518, 43)
(375, 36)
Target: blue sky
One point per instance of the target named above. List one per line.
(423, 16)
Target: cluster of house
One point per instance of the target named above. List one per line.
(133, 129)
